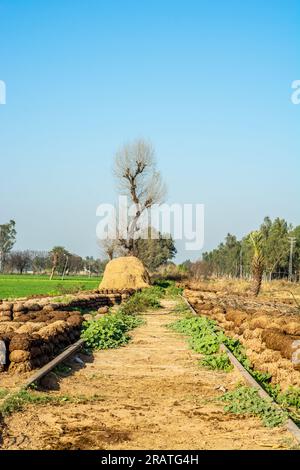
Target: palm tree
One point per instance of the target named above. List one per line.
(258, 261)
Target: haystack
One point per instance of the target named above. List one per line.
(126, 272)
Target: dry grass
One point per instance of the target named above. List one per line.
(281, 291)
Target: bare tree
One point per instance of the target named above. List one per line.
(200, 270)
(75, 264)
(110, 247)
(41, 261)
(139, 180)
(20, 261)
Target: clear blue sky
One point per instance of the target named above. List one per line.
(209, 82)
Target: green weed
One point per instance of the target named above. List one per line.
(169, 287)
(217, 362)
(182, 309)
(244, 400)
(19, 400)
(110, 331)
(141, 301)
(290, 397)
(205, 336)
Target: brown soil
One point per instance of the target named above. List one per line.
(153, 395)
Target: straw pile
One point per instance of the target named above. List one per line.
(125, 273)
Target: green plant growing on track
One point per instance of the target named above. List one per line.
(19, 400)
(291, 397)
(290, 401)
(172, 291)
(110, 331)
(182, 309)
(238, 351)
(205, 336)
(150, 297)
(141, 301)
(169, 288)
(207, 343)
(244, 400)
(272, 389)
(217, 362)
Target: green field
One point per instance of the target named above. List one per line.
(14, 286)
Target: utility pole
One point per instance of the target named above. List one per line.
(292, 241)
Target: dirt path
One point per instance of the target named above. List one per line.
(150, 395)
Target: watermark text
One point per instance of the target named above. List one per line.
(295, 97)
(181, 221)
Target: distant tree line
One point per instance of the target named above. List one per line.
(154, 252)
(42, 262)
(57, 261)
(234, 258)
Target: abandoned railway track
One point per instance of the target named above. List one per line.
(153, 395)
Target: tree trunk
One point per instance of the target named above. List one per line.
(257, 280)
(256, 286)
(52, 273)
